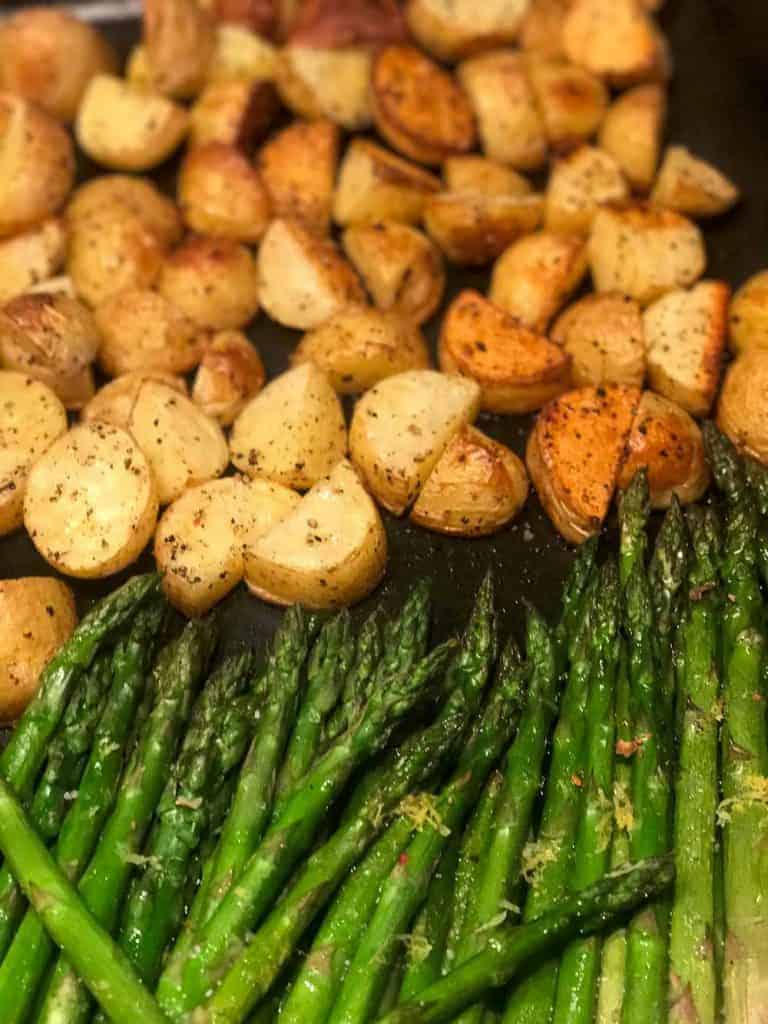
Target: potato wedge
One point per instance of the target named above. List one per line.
(632, 131)
(572, 101)
(517, 369)
(685, 344)
(692, 186)
(748, 317)
(542, 28)
(575, 452)
(741, 410)
(303, 279)
(33, 418)
(241, 53)
(330, 551)
(235, 111)
(668, 442)
(418, 107)
(336, 23)
(612, 38)
(476, 488)
(230, 373)
(605, 338)
(91, 504)
(450, 31)
(256, 15)
(360, 346)
(644, 252)
(535, 276)
(180, 38)
(402, 426)
(579, 184)
(214, 281)
(293, 432)
(298, 168)
(485, 177)
(401, 268)
(184, 447)
(32, 257)
(113, 402)
(332, 83)
(376, 185)
(38, 615)
(221, 193)
(139, 197)
(473, 230)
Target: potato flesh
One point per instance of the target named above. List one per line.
(631, 133)
(578, 186)
(31, 257)
(114, 402)
(692, 186)
(375, 185)
(230, 373)
(326, 83)
(484, 176)
(605, 338)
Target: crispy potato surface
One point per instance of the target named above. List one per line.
(632, 130)
(479, 174)
(180, 39)
(613, 38)
(451, 30)
(214, 281)
(692, 186)
(230, 373)
(473, 229)
(298, 168)
(572, 101)
(748, 316)
(31, 258)
(605, 338)
(234, 111)
(741, 410)
(579, 185)
(221, 193)
(376, 185)
(139, 197)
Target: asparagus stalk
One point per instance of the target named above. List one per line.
(575, 597)
(757, 476)
(667, 574)
(634, 511)
(368, 651)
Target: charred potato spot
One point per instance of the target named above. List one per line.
(605, 337)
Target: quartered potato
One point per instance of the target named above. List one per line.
(298, 168)
(542, 28)
(183, 445)
(234, 111)
(333, 23)
(293, 432)
(450, 30)
(332, 83)
(692, 186)
(402, 426)
(180, 39)
(473, 229)
(572, 101)
(360, 346)
(230, 373)
(605, 338)
(685, 343)
(483, 176)
(303, 279)
(330, 551)
(632, 131)
(139, 197)
(256, 15)
(241, 53)
(376, 185)
(113, 402)
(517, 369)
(613, 38)
(748, 317)
(32, 257)
(91, 502)
(401, 268)
(741, 410)
(579, 184)
(476, 488)
(644, 252)
(536, 275)
(221, 193)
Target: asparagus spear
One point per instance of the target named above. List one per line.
(757, 476)
(368, 651)
(634, 510)
(667, 574)
(573, 601)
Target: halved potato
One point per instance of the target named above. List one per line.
(336, 23)
(401, 268)
(748, 317)
(741, 411)
(632, 130)
(230, 373)
(613, 38)
(180, 38)
(685, 343)
(476, 488)
(451, 30)
(644, 252)
(332, 83)
(474, 229)
(113, 402)
(572, 101)
(605, 338)
(235, 111)
(213, 280)
(578, 185)
(542, 28)
(483, 176)
(375, 185)
(183, 445)
(418, 107)
(575, 452)
(293, 432)
(330, 551)
(690, 185)
(91, 502)
(402, 426)
(139, 197)
(298, 168)
(241, 53)
(31, 257)
(303, 279)
(221, 193)
(360, 346)
(256, 15)
(536, 275)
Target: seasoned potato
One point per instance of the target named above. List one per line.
(400, 267)
(743, 402)
(31, 257)
(256, 15)
(332, 83)
(402, 426)
(183, 445)
(38, 615)
(127, 128)
(235, 111)
(140, 197)
(330, 551)
(91, 503)
(542, 28)
(293, 432)
(612, 38)
(221, 193)
(360, 346)
(336, 23)
(33, 418)
(113, 402)
(230, 373)
(574, 455)
(476, 488)
(298, 167)
(692, 186)
(474, 229)
(375, 185)
(685, 343)
(668, 442)
(509, 121)
(240, 53)
(180, 38)
(517, 369)
(536, 275)
(59, 285)
(632, 130)
(748, 317)
(451, 30)
(303, 279)
(213, 280)
(605, 338)
(418, 107)
(483, 176)
(571, 99)
(644, 252)
(578, 185)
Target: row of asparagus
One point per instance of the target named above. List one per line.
(363, 828)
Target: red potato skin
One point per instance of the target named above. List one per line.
(257, 15)
(332, 24)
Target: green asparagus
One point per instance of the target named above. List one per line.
(368, 651)
(667, 573)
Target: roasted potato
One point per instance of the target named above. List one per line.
(91, 503)
(632, 130)
(256, 15)
(578, 185)
(332, 83)
(685, 344)
(303, 279)
(572, 101)
(113, 402)
(221, 193)
(517, 369)
(140, 197)
(240, 53)
(330, 551)
(360, 346)
(613, 38)
(474, 229)
(337, 23)
(230, 373)
(180, 38)
(644, 252)
(605, 338)
(33, 418)
(451, 30)
(478, 174)
(536, 275)
(542, 28)
(183, 445)
(298, 168)
(38, 615)
(400, 267)
(476, 488)
(575, 452)
(127, 128)
(234, 111)
(748, 317)
(376, 185)
(293, 432)
(692, 186)
(741, 410)
(402, 426)
(213, 280)
(32, 257)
